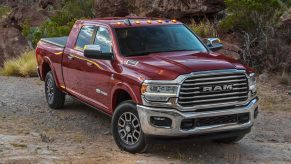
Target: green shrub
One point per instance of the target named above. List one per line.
(4, 10)
(24, 66)
(204, 29)
(251, 15)
(61, 23)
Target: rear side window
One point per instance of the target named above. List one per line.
(85, 37)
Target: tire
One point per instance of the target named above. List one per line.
(230, 140)
(126, 128)
(55, 98)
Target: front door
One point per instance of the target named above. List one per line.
(99, 79)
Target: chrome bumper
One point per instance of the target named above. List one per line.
(145, 113)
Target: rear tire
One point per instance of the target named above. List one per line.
(55, 98)
(230, 140)
(126, 128)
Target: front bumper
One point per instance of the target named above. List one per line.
(145, 114)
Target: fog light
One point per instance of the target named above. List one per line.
(161, 122)
(243, 118)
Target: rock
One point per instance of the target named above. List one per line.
(12, 44)
(22, 13)
(264, 77)
(231, 50)
(45, 3)
(286, 17)
(158, 8)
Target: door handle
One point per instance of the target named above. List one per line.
(70, 57)
(89, 64)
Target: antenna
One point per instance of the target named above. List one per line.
(127, 21)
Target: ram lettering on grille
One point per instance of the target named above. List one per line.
(213, 88)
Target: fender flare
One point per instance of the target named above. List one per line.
(48, 61)
(124, 87)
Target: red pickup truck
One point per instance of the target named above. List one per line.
(155, 77)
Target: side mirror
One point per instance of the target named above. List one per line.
(214, 44)
(94, 52)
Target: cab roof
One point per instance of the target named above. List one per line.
(117, 22)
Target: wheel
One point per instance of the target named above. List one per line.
(55, 98)
(230, 140)
(126, 128)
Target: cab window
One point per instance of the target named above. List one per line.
(103, 40)
(85, 37)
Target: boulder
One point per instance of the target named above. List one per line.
(158, 8)
(286, 17)
(23, 13)
(12, 44)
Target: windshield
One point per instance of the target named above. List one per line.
(139, 41)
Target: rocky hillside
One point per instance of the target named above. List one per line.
(158, 8)
(37, 11)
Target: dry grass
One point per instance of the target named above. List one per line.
(24, 66)
(204, 29)
(274, 96)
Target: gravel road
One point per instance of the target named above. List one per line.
(30, 132)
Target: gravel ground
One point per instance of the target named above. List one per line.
(30, 132)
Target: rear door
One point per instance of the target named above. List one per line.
(75, 68)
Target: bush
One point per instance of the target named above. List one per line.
(204, 29)
(265, 45)
(4, 10)
(251, 16)
(61, 23)
(24, 66)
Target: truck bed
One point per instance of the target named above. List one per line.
(57, 41)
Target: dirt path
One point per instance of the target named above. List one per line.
(30, 132)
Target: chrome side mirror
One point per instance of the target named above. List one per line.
(214, 44)
(94, 52)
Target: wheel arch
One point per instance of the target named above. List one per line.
(121, 94)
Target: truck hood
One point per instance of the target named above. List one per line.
(169, 65)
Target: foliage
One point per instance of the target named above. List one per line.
(251, 15)
(61, 23)
(204, 29)
(4, 10)
(24, 66)
(265, 45)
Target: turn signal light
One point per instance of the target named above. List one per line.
(143, 88)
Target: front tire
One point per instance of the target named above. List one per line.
(126, 128)
(55, 98)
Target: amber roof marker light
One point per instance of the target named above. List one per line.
(174, 20)
(160, 21)
(149, 21)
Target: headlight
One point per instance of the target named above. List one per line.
(158, 92)
(252, 82)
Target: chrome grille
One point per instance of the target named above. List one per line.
(212, 88)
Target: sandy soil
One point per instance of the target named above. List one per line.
(30, 132)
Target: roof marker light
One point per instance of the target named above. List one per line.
(149, 21)
(118, 23)
(174, 20)
(137, 22)
(160, 21)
